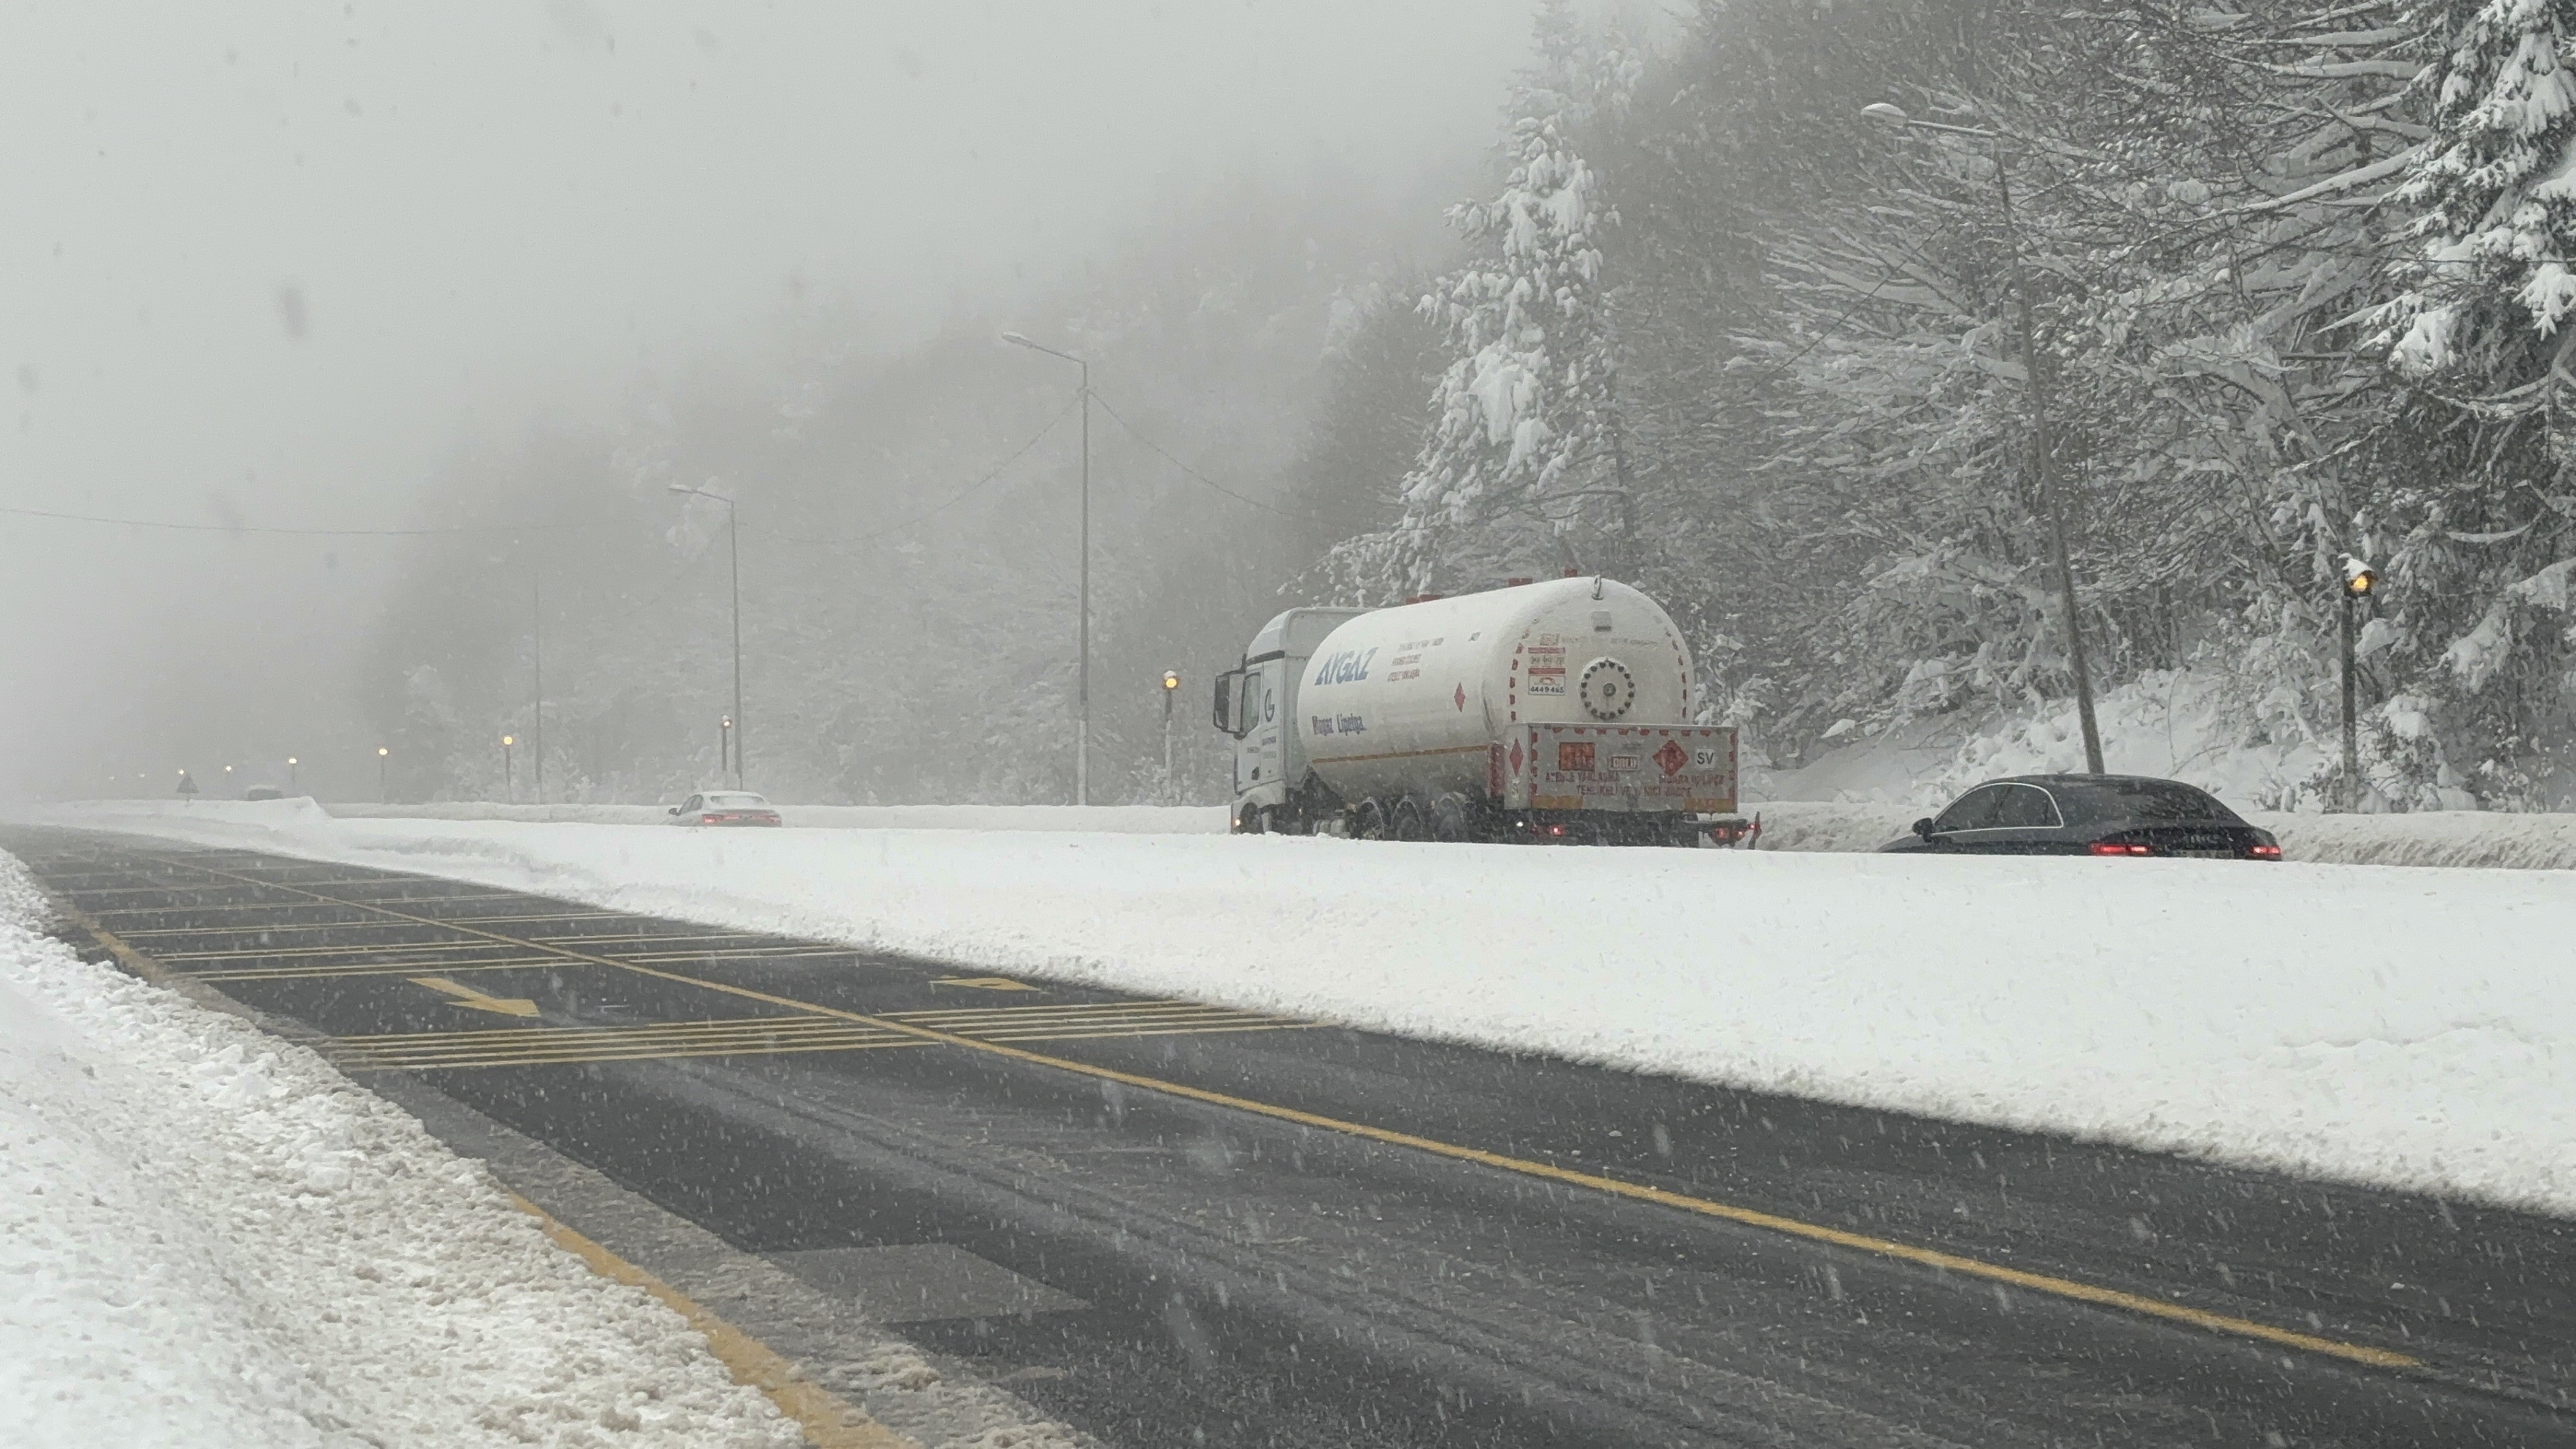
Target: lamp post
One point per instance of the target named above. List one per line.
(733, 551)
(2043, 443)
(537, 658)
(1082, 668)
(1171, 688)
(2358, 580)
(724, 744)
(509, 785)
(382, 756)
(291, 786)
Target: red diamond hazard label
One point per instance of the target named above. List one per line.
(1461, 698)
(1672, 757)
(1516, 757)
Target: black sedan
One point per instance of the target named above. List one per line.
(2118, 815)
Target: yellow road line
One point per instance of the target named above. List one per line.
(2073, 1290)
(374, 968)
(646, 1053)
(1072, 1009)
(380, 948)
(829, 1421)
(1218, 1029)
(274, 927)
(721, 1023)
(580, 1041)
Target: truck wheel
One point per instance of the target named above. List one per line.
(1369, 821)
(1256, 821)
(1449, 817)
(1408, 823)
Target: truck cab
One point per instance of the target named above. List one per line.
(1256, 703)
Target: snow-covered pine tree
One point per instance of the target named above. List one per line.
(1525, 413)
(2495, 188)
(2483, 538)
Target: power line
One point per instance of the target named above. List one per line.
(1194, 474)
(879, 535)
(298, 532)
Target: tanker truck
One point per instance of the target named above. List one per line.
(1542, 711)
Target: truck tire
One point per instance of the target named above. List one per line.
(1256, 821)
(1449, 818)
(1408, 823)
(1369, 821)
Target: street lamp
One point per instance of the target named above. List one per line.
(382, 795)
(1171, 688)
(509, 785)
(733, 549)
(2358, 580)
(2043, 446)
(724, 745)
(1082, 669)
(291, 787)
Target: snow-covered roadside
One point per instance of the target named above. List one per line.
(2479, 838)
(2451, 838)
(209, 1238)
(1120, 819)
(2403, 1027)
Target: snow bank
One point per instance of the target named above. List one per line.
(2176, 724)
(2404, 1027)
(2453, 838)
(2490, 839)
(209, 1238)
(1119, 819)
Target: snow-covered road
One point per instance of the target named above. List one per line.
(209, 1238)
(2406, 1027)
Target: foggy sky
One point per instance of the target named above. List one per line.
(263, 265)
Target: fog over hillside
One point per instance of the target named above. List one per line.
(305, 266)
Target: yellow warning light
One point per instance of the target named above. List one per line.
(1171, 679)
(509, 739)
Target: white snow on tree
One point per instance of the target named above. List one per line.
(2495, 188)
(1525, 408)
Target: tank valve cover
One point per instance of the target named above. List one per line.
(1608, 690)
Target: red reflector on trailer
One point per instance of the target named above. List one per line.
(2113, 847)
(2265, 852)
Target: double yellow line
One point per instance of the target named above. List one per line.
(2069, 1289)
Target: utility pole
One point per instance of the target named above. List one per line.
(509, 784)
(1082, 668)
(733, 554)
(1171, 687)
(537, 655)
(384, 793)
(2043, 442)
(733, 559)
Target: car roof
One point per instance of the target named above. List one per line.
(2089, 780)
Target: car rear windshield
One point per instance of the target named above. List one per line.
(736, 802)
(2152, 802)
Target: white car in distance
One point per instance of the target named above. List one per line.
(724, 807)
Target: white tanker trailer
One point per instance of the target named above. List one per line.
(1541, 711)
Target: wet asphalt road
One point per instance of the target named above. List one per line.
(1244, 1230)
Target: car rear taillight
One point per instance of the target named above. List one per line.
(2264, 852)
(2114, 847)
(719, 819)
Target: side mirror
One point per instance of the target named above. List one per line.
(1923, 828)
(674, 810)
